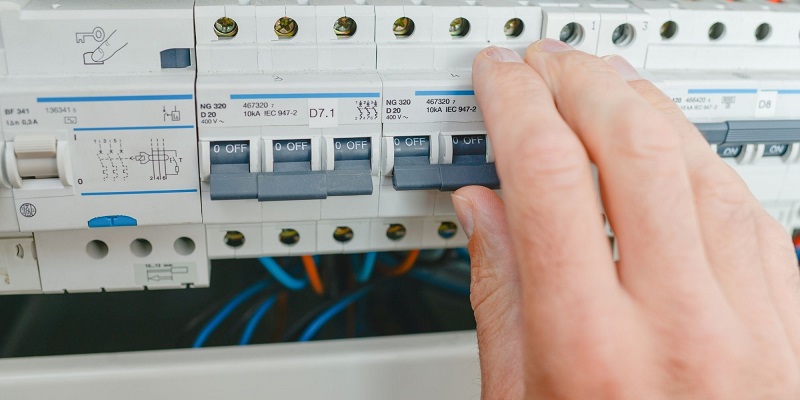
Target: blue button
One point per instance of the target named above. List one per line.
(101, 222)
(123, 220)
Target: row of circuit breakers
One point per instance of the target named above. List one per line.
(138, 140)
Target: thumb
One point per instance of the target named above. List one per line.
(494, 292)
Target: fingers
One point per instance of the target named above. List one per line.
(552, 207)
(568, 280)
(750, 254)
(643, 177)
(494, 292)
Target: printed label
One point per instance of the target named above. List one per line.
(716, 103)
(323, 113)
(767, 103)
(165, 274)
(89, 113)
(409, 105)
(317, 110)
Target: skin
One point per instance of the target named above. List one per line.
(704, 300)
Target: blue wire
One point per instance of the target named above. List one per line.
(222, 314)
(433, 280)
(388, 259)
(282, 276)
(355, 260)
(367, 267)
(320, 321)
(463, 253)
(255, 319)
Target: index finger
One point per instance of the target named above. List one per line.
(551, 204)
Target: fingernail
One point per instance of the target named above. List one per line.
(623, 67)
(551, 46)
(502, 54)
(464, 211)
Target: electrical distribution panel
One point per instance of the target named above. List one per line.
(140, 140)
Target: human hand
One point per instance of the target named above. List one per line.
(704, 302)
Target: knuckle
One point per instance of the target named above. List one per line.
(773, 231)
(571, 69)
(722, 191)
(558, 160)
(656, 97)
(485, 283)
(506, 78)
(655, 148)
(612, 384)
(777, 244)
(481, 274)
(579, 64)
(704, 365)
(503, 85)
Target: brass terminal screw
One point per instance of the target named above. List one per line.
(289, 236)
(513, 27)
(344, 27)
(343, 234)
(459, 27)
(403, 27)
(285, 27)
(226, 27)
(396, 232)
(447, 230)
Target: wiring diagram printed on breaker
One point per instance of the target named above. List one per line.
(112, 159)
(164, 162)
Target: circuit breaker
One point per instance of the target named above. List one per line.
(140, 140)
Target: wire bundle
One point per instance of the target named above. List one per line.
(309, 325)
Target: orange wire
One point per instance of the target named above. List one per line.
(406, 265)
(281, 317)
(313, 274)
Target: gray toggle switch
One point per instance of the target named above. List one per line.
(241, 186)
(291, 155)
(763, 131)
(295, 185)
(230, 152)
(230, 171)
(469, 165)
(352, 168)
(469, 149)
(456, 176)
(714, 132)
(412, 165)
(729, 151)
(413, 171)
(416, 177)
(349, 183)
(292, 177)
(775, 150)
